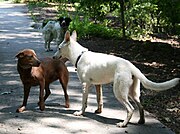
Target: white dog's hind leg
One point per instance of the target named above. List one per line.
(129, 109)
(84, 101)
(134, 93)
(45, 46)
(99, 98)
(122, 83)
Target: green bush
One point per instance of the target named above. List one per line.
(86, 28)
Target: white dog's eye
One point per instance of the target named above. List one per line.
(59, 48)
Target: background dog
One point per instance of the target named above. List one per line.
(54, 30)
(35, 72)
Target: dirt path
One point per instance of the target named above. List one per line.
(15, 34)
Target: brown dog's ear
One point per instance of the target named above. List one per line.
(67, 36)
(19, 55)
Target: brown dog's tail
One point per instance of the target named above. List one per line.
(153, 85)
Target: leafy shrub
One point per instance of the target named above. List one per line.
(141, 19)
(86, 28)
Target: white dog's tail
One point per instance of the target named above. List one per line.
(153, 85)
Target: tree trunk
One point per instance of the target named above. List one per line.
(122, 17)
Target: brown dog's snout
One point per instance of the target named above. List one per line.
(36, 62)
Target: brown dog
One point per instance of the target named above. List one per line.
(34, 72)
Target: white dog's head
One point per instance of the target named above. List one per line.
(63, 49)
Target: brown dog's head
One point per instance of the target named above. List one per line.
(27, 58)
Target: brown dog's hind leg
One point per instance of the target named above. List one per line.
(64, 82)
(99, 98)
(26, 95)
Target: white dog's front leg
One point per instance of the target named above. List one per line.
(84, 100)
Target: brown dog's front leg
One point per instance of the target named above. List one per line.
(26, 95)
(99, 98)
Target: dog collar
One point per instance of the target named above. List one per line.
(78, 58)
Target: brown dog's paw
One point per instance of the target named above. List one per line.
(141, 121)
(21, 109)
(98, 111)
(67, 105)
(41, 106)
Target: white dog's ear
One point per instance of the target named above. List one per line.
(74, 35)
(67, 36)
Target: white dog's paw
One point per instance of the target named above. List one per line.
(120, 124)
(78, 113)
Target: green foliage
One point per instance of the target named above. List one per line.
(170, 13)
(17, 1)
(98, 9)
(141, 19)
(33, 4)
(85, 28)
(103, 18)
(62, 8)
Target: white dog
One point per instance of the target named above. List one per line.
(53, 30)
(97, 68)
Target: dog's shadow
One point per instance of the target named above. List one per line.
(101, 119)
(52, 107)
(91, 116)
(58, 108)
